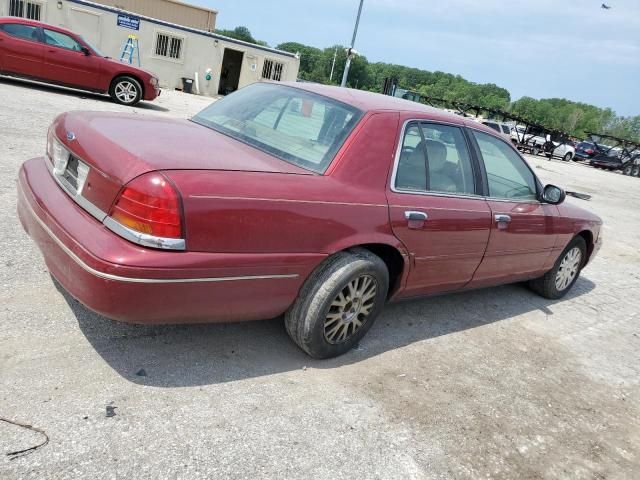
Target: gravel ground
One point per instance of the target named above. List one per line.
(494, 383)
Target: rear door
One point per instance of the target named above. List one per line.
(522, 228)
(21, 51)
(434, 208)
(65, 61)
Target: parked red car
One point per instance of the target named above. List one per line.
(315, 202)
(51, 54)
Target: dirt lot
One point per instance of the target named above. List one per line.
(489, 384)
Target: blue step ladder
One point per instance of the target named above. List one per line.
(130, 50)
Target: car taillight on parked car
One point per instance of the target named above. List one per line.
(589, 151)
(150, 207)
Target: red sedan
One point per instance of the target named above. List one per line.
(51, 54)
(315, 202)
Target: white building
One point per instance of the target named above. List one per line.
(172, 51)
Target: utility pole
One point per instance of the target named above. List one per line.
(335, 54)
(349, 54)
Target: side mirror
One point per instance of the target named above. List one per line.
(553, 195)
(85, 50)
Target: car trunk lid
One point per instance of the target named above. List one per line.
(118, 148)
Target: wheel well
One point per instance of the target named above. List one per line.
(136, 78)
(588, 238)
(392, 259)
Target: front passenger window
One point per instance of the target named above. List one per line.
(507, 174)
(61, 40)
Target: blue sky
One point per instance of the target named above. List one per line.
(540, 48)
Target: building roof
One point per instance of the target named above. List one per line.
(197, 7)
(183, 28)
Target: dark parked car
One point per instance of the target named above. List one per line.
(316, 202)
(52, 54)
(606, 162)
(586, 151)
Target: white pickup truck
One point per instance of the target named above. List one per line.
(534, 142)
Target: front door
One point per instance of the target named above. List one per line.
(434, 208)
(230, 71)
(523, 229)
(65, 61)
(21, 51)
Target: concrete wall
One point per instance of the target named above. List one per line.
(200, 50)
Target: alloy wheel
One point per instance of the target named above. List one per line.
(126, 91)
(351, 309)
(569, 267)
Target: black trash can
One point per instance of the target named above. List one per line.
(187, 84)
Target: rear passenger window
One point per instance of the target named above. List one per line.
(435, 158)
(506, 129)
(27, 32)
(412, 165)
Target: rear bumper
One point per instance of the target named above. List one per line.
(127, 282)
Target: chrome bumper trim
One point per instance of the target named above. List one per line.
(143, 239)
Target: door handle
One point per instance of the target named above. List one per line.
(414, 216)
(502, 218)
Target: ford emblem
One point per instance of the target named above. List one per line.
(71, 136)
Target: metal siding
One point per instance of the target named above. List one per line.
(169, 11)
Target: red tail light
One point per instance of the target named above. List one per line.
(589, 151)
(149, 204)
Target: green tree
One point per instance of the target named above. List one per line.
(241, 33)
(573, 117)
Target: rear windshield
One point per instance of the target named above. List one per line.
(294, 125)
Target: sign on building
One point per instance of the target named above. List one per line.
(128, 21)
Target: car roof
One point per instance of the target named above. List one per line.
(370, 101)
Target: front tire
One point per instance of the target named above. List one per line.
(567, 157)
(125, 91)
(338, 303)
(558, 281)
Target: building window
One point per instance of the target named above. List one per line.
(168, 46)
(272, 70)
(25, 9)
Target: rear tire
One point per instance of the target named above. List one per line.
(338, 303)
(627, 170)
(535, 151)
(558, 281)
(125, 91)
